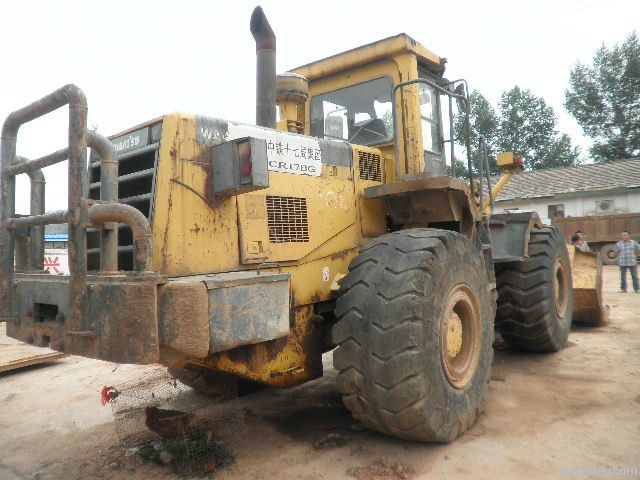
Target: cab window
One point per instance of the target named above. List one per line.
(360, 114)
(430, 113)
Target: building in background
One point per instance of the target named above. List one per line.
(56, 254)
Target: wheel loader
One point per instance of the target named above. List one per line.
(231, 251)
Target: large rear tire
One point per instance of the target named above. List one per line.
(415, 334)
(535, 295)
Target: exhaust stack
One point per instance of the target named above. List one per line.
(266, 69)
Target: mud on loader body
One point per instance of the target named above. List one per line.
(220, 249)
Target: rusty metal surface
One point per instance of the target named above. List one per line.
(283, 362)
(37, 193)
(111, 317)
(265, 69)
(108, 193)
(118, 319)
(57, 217)
(38, 163)
(73, 97)
(600, 228)
(183, 318)
(247, 308)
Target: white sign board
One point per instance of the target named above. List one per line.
(56, 261)
(285, 153)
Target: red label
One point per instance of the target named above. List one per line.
(50, 264)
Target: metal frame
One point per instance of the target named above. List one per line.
(444, 91)
(80, 213)
(483, 164)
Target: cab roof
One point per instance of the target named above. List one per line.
(385, 48)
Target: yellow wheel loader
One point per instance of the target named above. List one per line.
(224, 250)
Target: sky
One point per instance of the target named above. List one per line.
(137, 60)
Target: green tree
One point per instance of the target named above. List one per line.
(524, 123)
(528, 126)
(604, 98)
(484, 122)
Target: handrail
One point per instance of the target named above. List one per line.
(481, 147)
(73, 97)
(57, 217)
(106, 214)
(36, 202)
(109, 193)
(38, 163)
(101, 214)
(488, 174)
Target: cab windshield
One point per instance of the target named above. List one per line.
(360, 114)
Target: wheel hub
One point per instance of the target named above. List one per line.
(454, 335)
(460, 336)
(560, 288)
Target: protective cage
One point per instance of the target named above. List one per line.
(163, 421)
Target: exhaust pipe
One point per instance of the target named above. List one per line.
(266, 69)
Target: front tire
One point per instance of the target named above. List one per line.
(415, 334)
(535, 295)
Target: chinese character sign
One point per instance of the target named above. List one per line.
(285, 153)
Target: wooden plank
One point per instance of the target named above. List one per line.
(34, 360)
(15, 354)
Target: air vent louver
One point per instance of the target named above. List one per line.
(136, 170)
(370, 168)
(287, 219)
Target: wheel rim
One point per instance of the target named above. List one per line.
(460, 336)
(560, 287)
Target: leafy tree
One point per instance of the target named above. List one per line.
(524, 123)
(528, 126)
(604, 98)
(484, 123)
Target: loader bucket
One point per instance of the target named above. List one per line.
(587, 288)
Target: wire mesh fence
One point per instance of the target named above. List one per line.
(164, 421)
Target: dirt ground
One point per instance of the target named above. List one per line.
(575, 414)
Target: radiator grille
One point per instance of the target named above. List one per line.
(370, 168)
(287, 219)
(136, 172)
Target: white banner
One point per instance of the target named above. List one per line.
(285, 153)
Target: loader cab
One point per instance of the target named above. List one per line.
(350, 98)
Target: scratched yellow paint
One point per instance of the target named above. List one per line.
(196, 233)
(282, 364)
(192, 232)
(330, 211)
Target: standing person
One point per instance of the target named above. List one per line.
(628, 251)
(584, 246)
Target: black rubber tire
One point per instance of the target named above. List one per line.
(609, 254)
(212, 384)
(527, 317)
(390, 310)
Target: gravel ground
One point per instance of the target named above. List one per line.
(575, 414)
